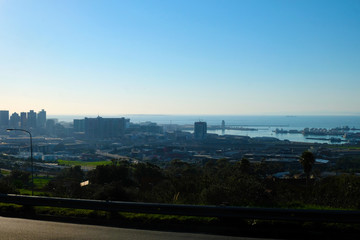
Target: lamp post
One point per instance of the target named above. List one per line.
(31, 155)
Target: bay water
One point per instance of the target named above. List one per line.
(264, 125)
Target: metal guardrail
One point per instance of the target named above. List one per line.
(339, 216)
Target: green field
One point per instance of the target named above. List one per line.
(40, 182)
(83, 163)
(345, 147)
(5, 172)
(23, 191)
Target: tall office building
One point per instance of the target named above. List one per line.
(103, 127)
(79, 125)
(50, 126)
(41, 119)
(23, 120)
(200, 130)
(15, 120)
(31, 119)
(4, 118)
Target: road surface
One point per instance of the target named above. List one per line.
(21, 229)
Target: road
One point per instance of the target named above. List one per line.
(115, 156)
(25, 229)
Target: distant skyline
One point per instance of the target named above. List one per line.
(195, 57)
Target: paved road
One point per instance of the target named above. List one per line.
(21, 229)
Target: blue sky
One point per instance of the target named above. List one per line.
(180, 57)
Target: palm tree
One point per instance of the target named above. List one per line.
(307, 160)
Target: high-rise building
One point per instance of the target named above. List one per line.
(104, 127)
(23, 120)
(79, 125)
(50, 127)
(31, 119)
(15, 120)
(200, 130)
(4, 118)
(41, 119)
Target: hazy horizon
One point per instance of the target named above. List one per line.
(164, 114)
(205, 57)
(320, 120)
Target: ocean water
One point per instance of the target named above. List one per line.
(265, 125)
(294, 122)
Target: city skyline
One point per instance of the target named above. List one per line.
(180, 57)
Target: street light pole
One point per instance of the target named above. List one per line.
(31, 155)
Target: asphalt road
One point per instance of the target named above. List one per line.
(20, 229)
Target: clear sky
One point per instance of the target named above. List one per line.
(180, 57)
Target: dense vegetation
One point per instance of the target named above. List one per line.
(217, 182)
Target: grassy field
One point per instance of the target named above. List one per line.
(23, 191)
(5, 172)
(40, 182)
(83, 163)
(345, 147)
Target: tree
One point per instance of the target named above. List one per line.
(19, 178)
(307, 160)
(245, 166)
(67, 183)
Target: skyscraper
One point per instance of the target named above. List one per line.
(200, 130)
(15, 120)
(23, 120)
(104, 127)
(4, 118)
(50, 126)
(31, 119)
(79, 125)
(41, 119)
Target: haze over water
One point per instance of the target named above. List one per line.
(265, 125)
(293, 122)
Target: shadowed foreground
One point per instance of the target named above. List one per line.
(15, 228)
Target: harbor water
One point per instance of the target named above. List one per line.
(264, 125)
